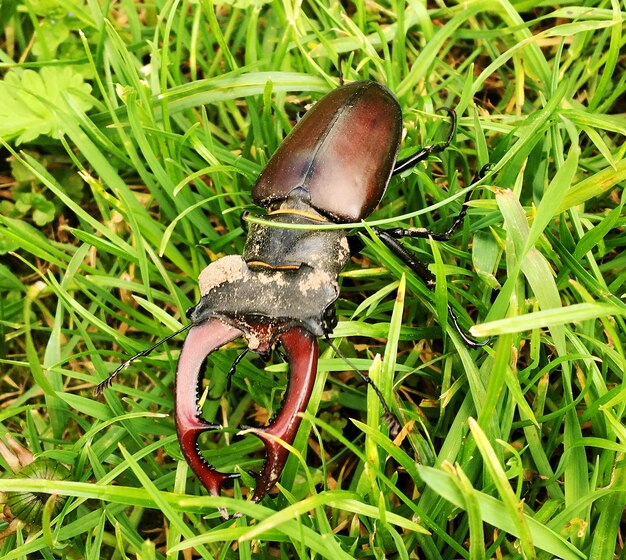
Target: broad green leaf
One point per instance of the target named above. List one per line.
(32, 103)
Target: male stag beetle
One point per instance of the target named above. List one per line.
(333, 167)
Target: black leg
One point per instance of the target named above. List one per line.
(423, 233)
(392, 422)
(341, 58)
(390, 239)
(428, 277)
(423, 153)
(233, 369)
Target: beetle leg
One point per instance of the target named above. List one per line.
(389, 417)
(301, 348)
(423, 233)
(233, 369)
(423, 153)
(428, 277)
(200, 342)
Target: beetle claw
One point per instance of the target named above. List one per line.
(301, 349)
(200, 342)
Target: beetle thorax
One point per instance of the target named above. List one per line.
(286, 277)
(281, 247)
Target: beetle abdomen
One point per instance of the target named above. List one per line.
(341, 153)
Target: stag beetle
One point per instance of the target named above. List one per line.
(333, 167)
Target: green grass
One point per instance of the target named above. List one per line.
(132, 134)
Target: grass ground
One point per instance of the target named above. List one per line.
(132, 133)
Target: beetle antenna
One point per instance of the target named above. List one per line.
(109, 380)
(389, 417)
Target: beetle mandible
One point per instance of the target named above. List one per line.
(333, 167)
